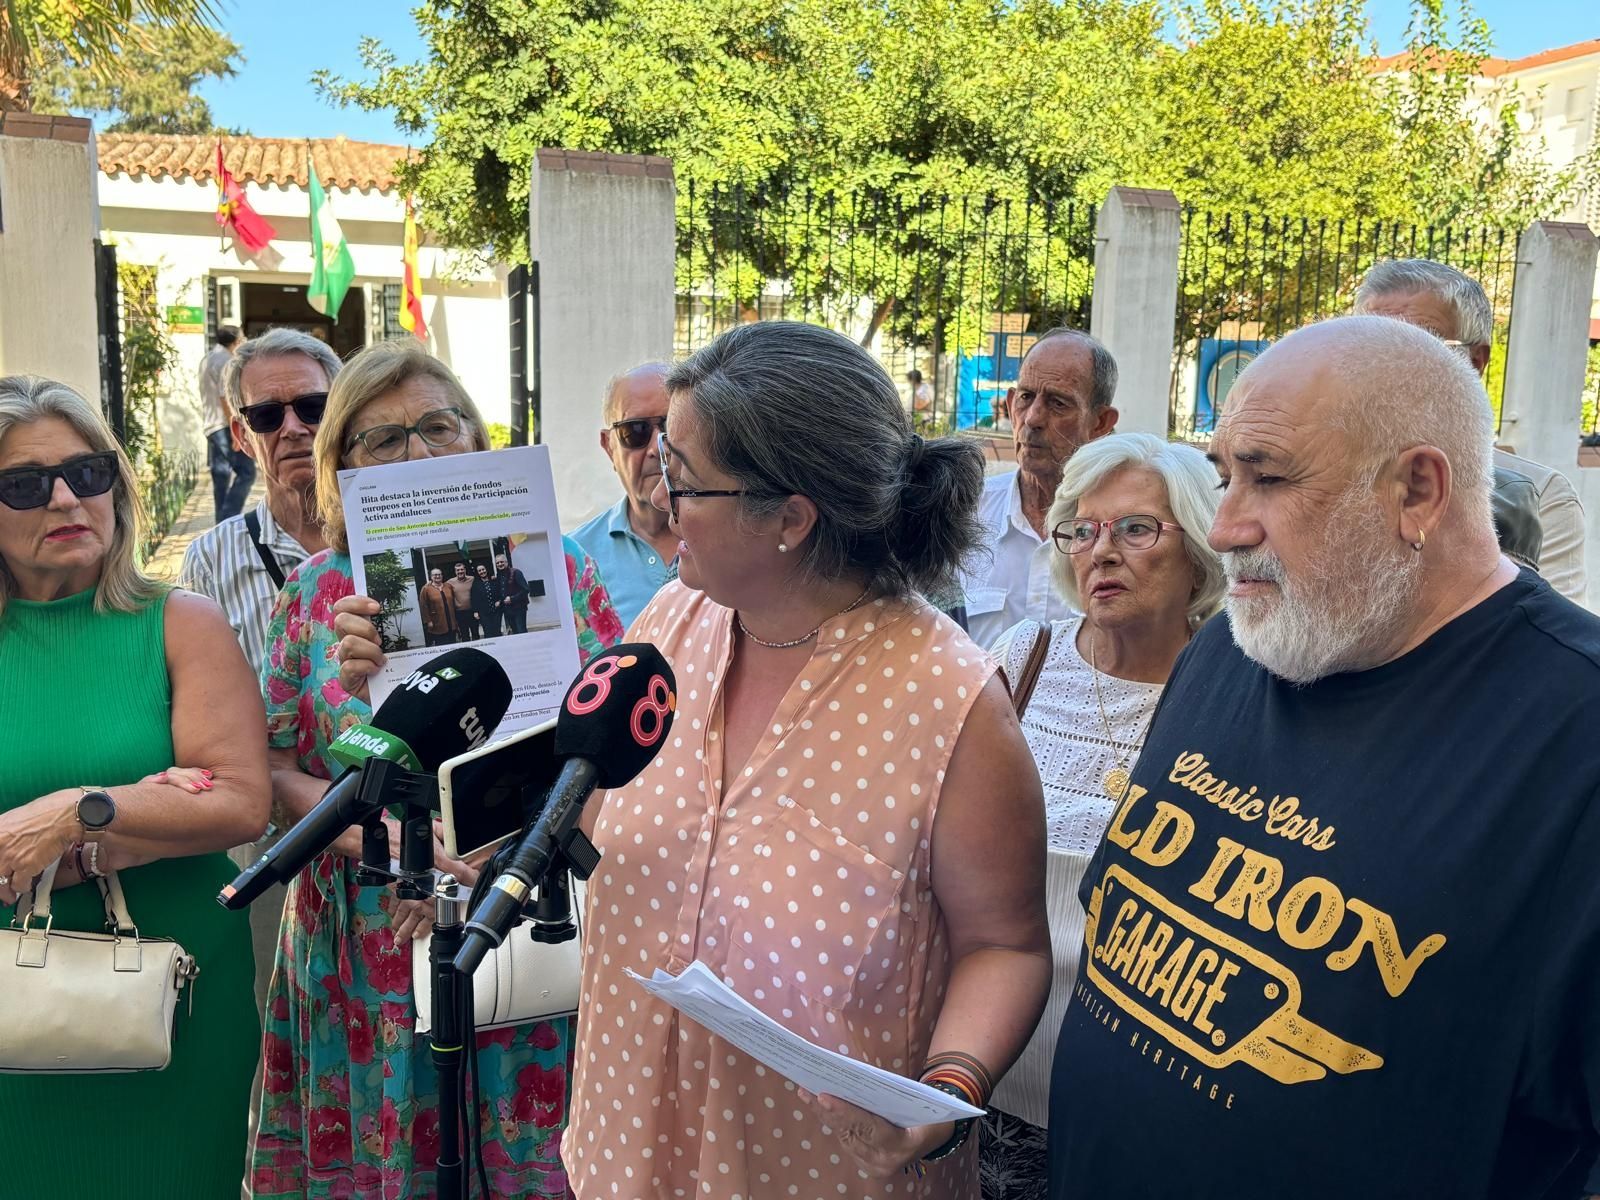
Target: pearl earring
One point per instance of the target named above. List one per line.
(783, 547)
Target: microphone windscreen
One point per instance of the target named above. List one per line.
(447, 706)
(617, 711)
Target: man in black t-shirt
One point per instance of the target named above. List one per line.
(1343, 932)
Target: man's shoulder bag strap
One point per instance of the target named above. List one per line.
(252, 522)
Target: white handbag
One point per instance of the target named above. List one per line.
(521, 980)
(86, 1003)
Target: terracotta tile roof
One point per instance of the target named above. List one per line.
(340, 163)
(1494, 67)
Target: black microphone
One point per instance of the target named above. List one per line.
(615, 715)
(444, 708)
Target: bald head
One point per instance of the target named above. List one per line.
(1376, 387)
(644, 382)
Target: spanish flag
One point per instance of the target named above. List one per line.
(250, 228)
(411, 286)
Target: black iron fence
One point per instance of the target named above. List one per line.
(949, 289)
(1246, 280)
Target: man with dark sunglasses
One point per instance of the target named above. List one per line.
(630, 541)
(233, 472)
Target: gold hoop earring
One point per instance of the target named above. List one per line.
(1422, 540)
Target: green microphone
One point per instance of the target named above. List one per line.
(359, 743)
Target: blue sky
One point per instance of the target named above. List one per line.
(284, 41)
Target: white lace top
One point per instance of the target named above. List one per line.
(1070, 747)
(1067, 736)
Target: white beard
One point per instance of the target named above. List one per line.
(1346, 612)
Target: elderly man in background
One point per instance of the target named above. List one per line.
(1342, 935)
(1062, 401)
(276, 386)
(630, 543)
(233, 473)
(1452, 306)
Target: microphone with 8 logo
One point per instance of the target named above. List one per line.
(615, 715)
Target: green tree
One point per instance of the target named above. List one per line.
(154, 87)
(387, 581)
(93, 32)
(812, 109)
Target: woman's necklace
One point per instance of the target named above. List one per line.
(1118, 777)
(799, 641)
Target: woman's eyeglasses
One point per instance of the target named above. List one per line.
(1131, 533)
(387, 443)
(267, 417)
(635, 433)
(31, 487)
(675, 494)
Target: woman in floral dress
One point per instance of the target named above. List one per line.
(350, 1099)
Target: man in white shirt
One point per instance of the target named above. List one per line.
(277, 385)
(1061, 401)
(1452, 306)
(232, 472)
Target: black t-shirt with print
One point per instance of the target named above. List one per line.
(1344, 939)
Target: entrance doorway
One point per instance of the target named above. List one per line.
(267, 305)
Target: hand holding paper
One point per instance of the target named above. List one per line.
(705, 999)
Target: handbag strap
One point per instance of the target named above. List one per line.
(1023, 692)
(36, 904)
(252, 522)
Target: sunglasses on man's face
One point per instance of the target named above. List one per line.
(635, 434)
(267, 417)
(31, 487)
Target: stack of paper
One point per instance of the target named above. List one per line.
(699, 995)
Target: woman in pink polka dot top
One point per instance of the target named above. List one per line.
(846, 824)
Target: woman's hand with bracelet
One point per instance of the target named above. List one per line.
(880, 1149)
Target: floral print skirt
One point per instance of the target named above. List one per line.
(350, 1105)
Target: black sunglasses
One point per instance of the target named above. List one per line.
(31, 487)
(267, 417)
(635, 433)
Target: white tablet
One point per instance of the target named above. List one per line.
(481, 791)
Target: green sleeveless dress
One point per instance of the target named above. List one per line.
(85, 699)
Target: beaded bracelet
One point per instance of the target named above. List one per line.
(963, 1127)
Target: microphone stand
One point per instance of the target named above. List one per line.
(452, 1014)
(454, 1033)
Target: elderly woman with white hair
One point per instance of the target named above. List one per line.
(1129, 520)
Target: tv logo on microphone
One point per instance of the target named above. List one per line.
(473, 728)
(651, 714)
(424, 681)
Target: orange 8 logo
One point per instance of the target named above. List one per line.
(599, 680)
(657, 707)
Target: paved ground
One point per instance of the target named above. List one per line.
(194, 520)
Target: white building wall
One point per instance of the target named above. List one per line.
(170, 224)
(47, 228)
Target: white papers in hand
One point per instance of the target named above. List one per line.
(702, 997)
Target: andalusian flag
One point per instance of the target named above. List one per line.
(332, 267)
(411, 282)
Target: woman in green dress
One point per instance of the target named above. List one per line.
(110, 678)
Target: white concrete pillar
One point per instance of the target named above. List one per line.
(1542, 404)
(48, 223)
(1136, 300)
(602, 229)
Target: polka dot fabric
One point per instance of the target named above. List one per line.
(804, 883)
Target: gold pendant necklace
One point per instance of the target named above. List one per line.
(1118, 776)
